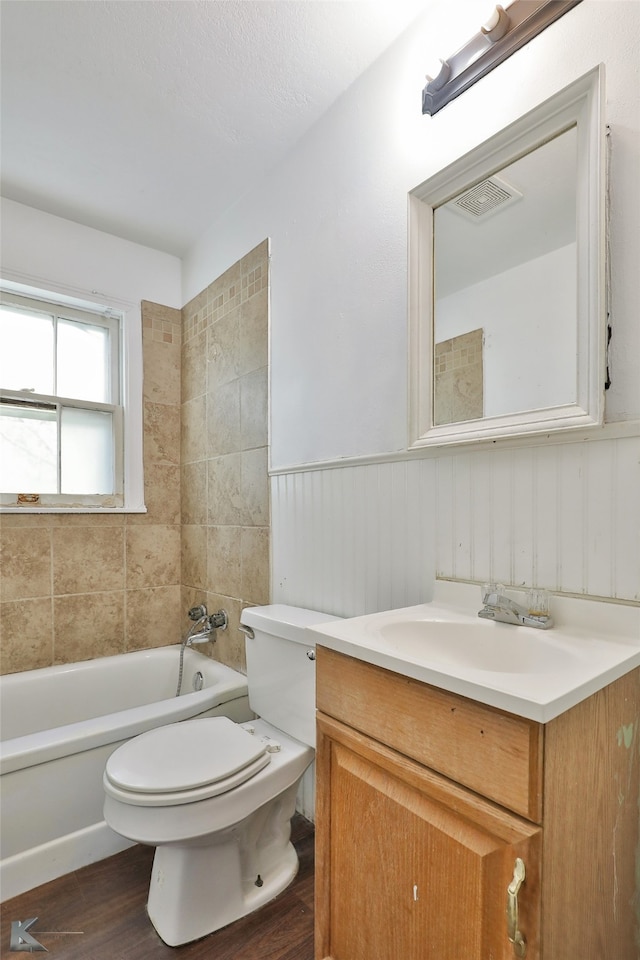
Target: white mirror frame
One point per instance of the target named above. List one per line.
(580, 104)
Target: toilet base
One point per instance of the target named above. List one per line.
(198, 888)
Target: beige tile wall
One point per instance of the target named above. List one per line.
(225, 492)
(83, 586)
(459, 378)
(78, 587)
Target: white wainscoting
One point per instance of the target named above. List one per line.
(355, 539)
(359, 538)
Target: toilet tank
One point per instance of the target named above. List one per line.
(281, 670)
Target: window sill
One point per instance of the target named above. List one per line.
(71, 509)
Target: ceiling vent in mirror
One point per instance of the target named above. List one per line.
(486, 197)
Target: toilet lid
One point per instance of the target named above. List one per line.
(185, 756)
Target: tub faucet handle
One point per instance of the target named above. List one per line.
(219, 620)
(198, 612)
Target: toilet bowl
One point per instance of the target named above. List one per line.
(215, 797)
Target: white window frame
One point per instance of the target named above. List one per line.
(128, 410)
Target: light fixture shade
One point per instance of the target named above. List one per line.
(502, 34)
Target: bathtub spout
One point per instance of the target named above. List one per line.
(205, 628)
(200, 632)
(203, 636)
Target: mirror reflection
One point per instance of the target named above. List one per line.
(505, 289)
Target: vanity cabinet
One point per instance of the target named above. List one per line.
(426, 801)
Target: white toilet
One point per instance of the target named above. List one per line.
(216, 797)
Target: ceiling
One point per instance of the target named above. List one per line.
(148, 118)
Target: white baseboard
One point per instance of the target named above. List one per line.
(30, 868)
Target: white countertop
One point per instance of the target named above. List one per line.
(532, 673)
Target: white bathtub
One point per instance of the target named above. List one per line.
(59, 725)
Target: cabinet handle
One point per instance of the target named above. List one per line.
(515, 937)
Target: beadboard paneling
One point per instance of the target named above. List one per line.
(356, 539)
(626, 521)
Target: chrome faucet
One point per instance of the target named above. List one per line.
(503, 609)
(203, 628)
(205, 625)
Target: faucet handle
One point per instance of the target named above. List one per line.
(219, 620)
(491, 589)
(538, 602)
(198, 612)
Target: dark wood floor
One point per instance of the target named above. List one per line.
(98, 913)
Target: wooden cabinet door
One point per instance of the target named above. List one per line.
(404, 876)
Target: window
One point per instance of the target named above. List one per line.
(65, 434)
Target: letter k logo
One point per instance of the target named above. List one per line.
(21, 940)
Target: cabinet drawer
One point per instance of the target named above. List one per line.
(496, 754)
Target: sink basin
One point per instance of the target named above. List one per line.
(536, 674)
(495, 648)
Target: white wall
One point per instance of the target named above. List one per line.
(374, 534)
(336, 213)
(37, 246)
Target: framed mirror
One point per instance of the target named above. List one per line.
(507, 279)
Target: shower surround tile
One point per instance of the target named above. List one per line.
(161, 494)
(153, 617)
(25, 557)
(226, 410)
(255, 563)
(254, 390)
(194, 367)
(254, 332)
(152, 555)
(224, 496)
(26, 635)
(223, 419)
(223, 350)
(161, 432)
(194, 492)
(88, 625)
(224, 555)
(162, 373)
(254, 486)
(88, 559)
(194, 556)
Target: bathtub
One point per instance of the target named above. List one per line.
(60, 724)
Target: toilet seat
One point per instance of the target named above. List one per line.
(184, 762)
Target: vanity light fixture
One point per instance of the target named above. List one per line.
(504, 32)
